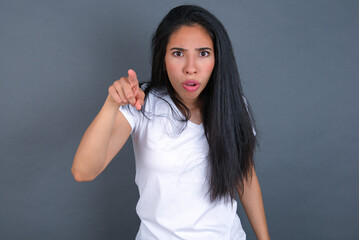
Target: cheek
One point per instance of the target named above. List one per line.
(171, 68)
(209, 67)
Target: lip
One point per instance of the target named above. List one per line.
(191, 88)
(191, 81)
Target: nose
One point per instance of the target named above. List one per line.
(190, 65)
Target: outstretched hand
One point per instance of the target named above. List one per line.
(126, 90)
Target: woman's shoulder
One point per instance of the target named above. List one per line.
(154, 100)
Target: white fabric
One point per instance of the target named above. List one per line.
(171, 178)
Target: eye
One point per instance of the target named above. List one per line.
(204, 54)
(177, 54)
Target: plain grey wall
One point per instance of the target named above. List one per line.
(299, 66)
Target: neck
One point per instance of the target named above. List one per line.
(193, 105)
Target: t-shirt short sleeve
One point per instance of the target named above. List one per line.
(132, 115)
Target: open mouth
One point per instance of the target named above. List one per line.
(190, 86)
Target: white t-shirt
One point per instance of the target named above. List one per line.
(171, 169)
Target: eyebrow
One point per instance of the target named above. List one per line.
(197, 49)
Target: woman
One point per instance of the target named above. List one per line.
(192, 132)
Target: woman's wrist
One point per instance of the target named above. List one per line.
(112, 103)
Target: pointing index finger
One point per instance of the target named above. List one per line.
(133, 78)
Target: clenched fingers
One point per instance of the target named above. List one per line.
(126, 90)
(128, 93)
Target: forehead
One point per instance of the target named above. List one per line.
(191, 35)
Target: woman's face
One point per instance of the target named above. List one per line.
(189, 62)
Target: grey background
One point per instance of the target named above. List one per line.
(299, 66)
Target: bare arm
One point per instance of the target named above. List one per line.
(253, 205)
(90, 158)
(108, 132)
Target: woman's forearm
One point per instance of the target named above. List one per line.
(91, 153)
(253, 205)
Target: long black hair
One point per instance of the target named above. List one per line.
(227, 118)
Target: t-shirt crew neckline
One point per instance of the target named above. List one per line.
(195, 124)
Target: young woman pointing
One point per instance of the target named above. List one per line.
(193, 135)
